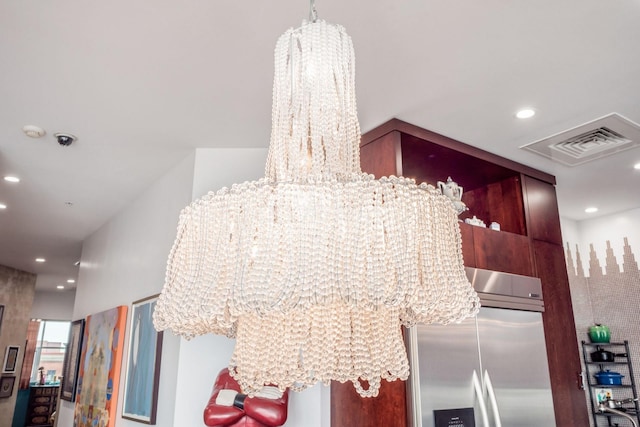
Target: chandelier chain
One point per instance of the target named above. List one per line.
(313, 13)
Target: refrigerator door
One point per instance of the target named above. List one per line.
(514, 359)
(449, 372)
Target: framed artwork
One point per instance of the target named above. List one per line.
(1, 314)
(143, 364)
(99, 372)
(10, 359)
(6, 386)
(72, 361)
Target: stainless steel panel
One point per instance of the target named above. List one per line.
(447, 359)
(506, 345)
(513, 352)
(529, 288)
(499, 283)
(490, 282)
(515, 303)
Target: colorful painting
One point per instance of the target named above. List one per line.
(6, 386)
(72, 361)
(143, 366)
(11, 358)
(99, 376)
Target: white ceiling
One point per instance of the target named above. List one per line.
(141, 83)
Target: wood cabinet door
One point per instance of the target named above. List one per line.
(502, 251)
(388, 409)
(543, 218)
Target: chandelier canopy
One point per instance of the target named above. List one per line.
(315, 267)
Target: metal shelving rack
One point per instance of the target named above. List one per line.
(620, 392)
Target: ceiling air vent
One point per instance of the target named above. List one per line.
(596, 139)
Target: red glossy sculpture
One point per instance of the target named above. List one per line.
(228, 407)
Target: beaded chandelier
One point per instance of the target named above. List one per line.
(315, 267)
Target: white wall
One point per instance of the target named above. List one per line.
(217, 168)
(613, 228)
(53, 305)
(126, 259)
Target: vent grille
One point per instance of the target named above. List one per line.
(593, 140)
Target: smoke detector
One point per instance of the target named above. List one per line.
(593, 140)
(33, 131)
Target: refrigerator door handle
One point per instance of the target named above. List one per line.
(492, 398)
(483, 406)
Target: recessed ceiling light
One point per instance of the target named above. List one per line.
(40, 260)
(3, 206)
(71, 281)
(636, 166)
(10, 178)
(591, 210)
(525, 113)
(60, 287)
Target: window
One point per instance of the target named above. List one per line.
(50, 349)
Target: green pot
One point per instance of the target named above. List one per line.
(599, 333)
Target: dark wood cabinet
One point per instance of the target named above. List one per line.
(468, 245)
(561, 338)
(523, 201)
(499, 201)
(500, 251)
(543, 218)
(388, 409)
(42, 403)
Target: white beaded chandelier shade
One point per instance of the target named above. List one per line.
(315, 267)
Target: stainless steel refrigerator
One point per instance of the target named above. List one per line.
(492, 368)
